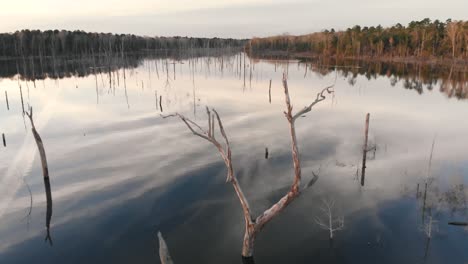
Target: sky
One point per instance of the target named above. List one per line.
(219, 18)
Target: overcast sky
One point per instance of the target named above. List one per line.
(219, 18)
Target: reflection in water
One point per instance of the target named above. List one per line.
(331, 222)
(112, 162)
(66, 67)
(451, 80)
(253, 225)
(45, 173)
(365, 150)
(49, 208)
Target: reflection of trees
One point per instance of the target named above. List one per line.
(451, 80)
(434, 200)
(31, 69)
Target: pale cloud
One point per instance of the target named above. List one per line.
(223, 18)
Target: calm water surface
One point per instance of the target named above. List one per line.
(120, 173)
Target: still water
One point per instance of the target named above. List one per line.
(119, 172)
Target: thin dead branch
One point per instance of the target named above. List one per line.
(45, 173)
(321, 96)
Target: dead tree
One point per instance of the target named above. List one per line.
(365, 150)
(253, 225)
(331, 224)
(45, 173)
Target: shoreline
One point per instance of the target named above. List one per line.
(306, 56)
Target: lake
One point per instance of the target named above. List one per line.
(119, 172)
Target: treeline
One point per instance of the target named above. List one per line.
(422, 39)
(53, 43)
(33, 68)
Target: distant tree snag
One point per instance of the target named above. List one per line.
(45, 173)
(6, 100)
(254, 225)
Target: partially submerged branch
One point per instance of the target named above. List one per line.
(45, 173)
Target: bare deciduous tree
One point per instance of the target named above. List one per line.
(452, 33)
(254, 225)
(331, 224)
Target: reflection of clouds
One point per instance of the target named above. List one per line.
(128, 153)
(22, 162)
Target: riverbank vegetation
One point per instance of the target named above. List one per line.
(418, 40)
(55, 43)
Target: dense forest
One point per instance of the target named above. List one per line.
(53, 43)
(419, 39)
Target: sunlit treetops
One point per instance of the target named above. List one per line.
(423, 38)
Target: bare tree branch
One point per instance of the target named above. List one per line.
(252, 227)
(225, 153)
(320, 97)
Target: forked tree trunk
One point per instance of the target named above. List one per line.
(254, 225)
